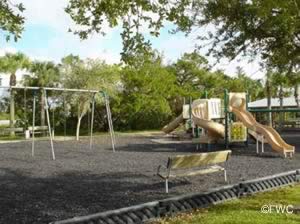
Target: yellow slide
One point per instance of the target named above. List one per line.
(199, 114)
(173, 124)
(237, 106)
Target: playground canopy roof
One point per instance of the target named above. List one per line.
(288, 102)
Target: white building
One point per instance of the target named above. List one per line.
(4, 80)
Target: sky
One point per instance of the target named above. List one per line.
(46, 37)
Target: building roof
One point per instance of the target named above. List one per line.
(287, 102)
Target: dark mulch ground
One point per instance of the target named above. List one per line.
(83, 181)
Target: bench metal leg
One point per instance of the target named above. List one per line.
(262, 145)
(167, 186)
(225, 175)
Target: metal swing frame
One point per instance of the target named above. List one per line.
(45, 89)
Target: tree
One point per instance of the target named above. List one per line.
(190, 71)
(280, 83)
(242, 83)
(269, 95)
(89, 74)
(130, 15)
(10, 63)
(11, 20)
(266, 27)
(43, 74)
(146, 94)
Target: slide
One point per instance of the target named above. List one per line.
(274, 139)
(173, 125)
(215, 130)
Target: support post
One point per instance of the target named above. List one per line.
(225, 175)
(262, 144)
(109, 120)
(226, 117)
(92, 122)
(65, 117)
(33, 122)
(205, 94)
(247, 133)
(190, 116)
(167, 186)
(49, 124)
(53, 124)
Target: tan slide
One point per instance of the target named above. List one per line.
(199, 114)
(272, 136)
(173, 124)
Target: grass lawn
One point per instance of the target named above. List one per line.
(246, 210)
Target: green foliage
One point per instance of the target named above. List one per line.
(266, 27)
(93, 16)
(89, 74)
(11, 20)
(43, 74)
(242, 83)
(144, 95)
(10, 63)
(144, 100)
(190, 70)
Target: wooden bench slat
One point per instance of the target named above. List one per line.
(197, 160)
(11, 129)
(196, 164)
(211, 169)
(38, 128)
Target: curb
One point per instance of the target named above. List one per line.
(156, 209)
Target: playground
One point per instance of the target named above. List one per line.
(52, 178)
(83, 181)
(123, 112)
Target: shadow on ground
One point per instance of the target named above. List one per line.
(26, 199)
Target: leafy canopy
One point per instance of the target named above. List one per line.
(93, 16)
(11, 19)
(88, 74)
(266, 27)
(12, 62)
(43, 74)
(145, 95)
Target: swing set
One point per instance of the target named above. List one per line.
(51, 130)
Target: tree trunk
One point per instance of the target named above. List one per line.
(78, 128)
(12, 112)
(297, 98)
(43, 109)
(12, 82)
(269, 97)
(281, 114)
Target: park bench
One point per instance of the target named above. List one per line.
(5, 131)
(195, 164)
(38, 130)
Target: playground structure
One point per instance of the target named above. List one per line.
(100, 173)
(231, 122)
(35, 128)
